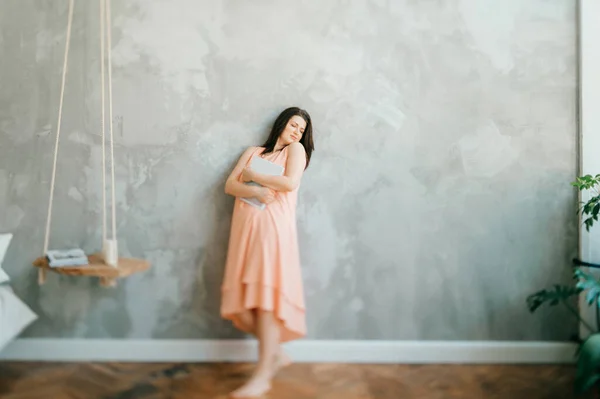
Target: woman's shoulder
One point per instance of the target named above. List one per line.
(296, 147)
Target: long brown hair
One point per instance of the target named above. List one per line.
(280, 124)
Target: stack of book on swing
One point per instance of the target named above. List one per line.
(65, 258)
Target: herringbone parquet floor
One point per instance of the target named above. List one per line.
(299, 381)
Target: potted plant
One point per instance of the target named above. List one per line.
(588, 352)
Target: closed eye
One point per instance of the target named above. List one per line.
(295, 126)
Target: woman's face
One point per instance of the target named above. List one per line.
(293, 130)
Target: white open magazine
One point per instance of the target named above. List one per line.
(261, 165)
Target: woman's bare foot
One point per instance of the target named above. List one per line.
(258, 384)
(256, 387)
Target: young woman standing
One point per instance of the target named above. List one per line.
(262, 291)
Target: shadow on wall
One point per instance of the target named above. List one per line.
(210, 262)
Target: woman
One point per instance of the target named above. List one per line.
(262, 292)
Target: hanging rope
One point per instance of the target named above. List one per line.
(42, 272)
(105, 20)
(102, 10)
(105, 29)
(110, 111)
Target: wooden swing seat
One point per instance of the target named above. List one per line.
(97, 268)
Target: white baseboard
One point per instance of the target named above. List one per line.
(402, 352)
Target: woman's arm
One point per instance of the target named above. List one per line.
(294, 169)
(235, 188)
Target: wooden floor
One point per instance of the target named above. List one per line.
(314, 381)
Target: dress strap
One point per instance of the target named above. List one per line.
(256, 152)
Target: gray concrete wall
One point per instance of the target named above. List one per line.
(437, 199)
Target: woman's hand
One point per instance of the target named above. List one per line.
(265, 195)
(247, 175)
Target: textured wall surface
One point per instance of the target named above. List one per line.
(438, 197)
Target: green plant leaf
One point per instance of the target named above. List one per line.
(559, 294)
(586, 182)
(589, 210)
(588, 364)
(585, 280)
(592, 295)
(552, 297)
